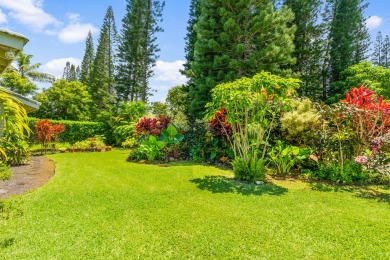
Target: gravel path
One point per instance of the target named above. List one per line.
(27, 177)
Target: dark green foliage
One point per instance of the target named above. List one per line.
(137, 50)
(87, 63)
(309, 45)
(237, 39)
(348, 38)
(78, 130)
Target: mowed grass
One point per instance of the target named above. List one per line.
(98, 206)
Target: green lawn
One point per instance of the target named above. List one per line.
(98, 206)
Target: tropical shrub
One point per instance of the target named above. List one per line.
(252, 108)
(370, 114)
(17, 150)
(5, 173)
(172, 138)
(299, 122)
(79, 130)
(151, 148)
(201, 145)
(376, 158)
(123, 132)
(284, 157)
(15, 130)
(219, 127)
(151, 126)
(47, 133)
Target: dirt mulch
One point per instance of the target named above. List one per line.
(27, 177)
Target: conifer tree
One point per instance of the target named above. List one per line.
(102, 75)
(237, 38)
(138, 49)
(191, 38)
(377, 54)
(386, 52)
(348, 38)
(87, 63)
(309, 46)
(70, 72)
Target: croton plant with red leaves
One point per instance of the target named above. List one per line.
(370, 112)
(151, 126)
(218, 125)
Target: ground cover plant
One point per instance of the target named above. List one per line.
(100, 206)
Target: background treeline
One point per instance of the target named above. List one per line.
(312, 40)
(322, 43)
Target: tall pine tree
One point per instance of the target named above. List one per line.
(386, 52)
(309, 45)
(190, 38)
(102, 76)
(348, 39)
(138, 49)
(237, 38)
(87, 63)
(377, 54)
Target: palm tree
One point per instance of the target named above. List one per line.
(27, 70)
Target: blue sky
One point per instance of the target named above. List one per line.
(57, 30)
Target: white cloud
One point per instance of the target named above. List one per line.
(73, 17)
(75, 31)
(29, 13)
(170, 72)
(374, 22)
(56, 67)
(3, 17)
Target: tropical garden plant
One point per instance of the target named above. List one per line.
(253, 106)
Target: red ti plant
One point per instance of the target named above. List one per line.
(218, 125)
(151, 126)
(370, 115)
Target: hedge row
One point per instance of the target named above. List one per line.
(77, 130)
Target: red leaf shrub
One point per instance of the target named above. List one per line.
(46, 132)
(369, 112)
(218, 125)
(151, 126)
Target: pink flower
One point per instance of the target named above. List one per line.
(361, 159)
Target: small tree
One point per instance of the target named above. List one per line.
(252, 106)
(46, 132)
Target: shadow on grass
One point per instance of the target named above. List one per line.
(367, 192)
(7, 242)
(221, 184)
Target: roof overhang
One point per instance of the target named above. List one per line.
(29, 104)
(11, 43)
